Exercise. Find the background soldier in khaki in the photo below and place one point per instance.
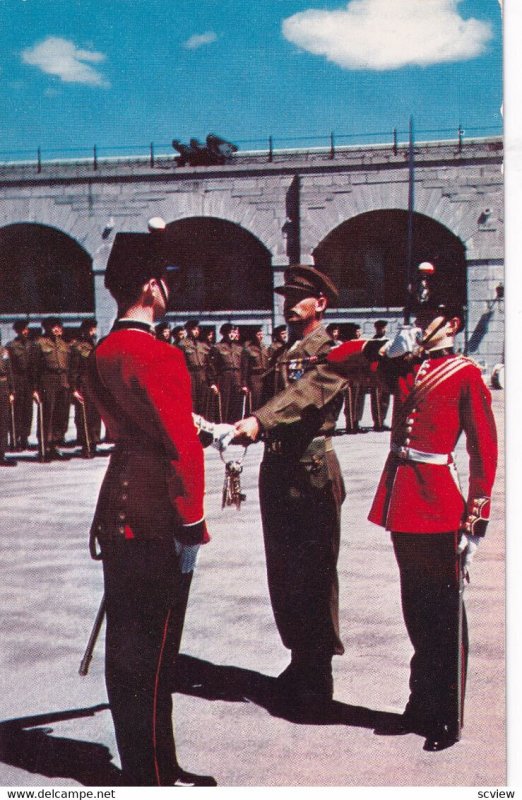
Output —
(196, 356)
(86, 416)
(254, 364)
(21, 354)
(52, 384)
(163, 332)
(178, 336)
(274, 380)
(379, 391)
(301, 491)
(355, 391)
(6, 394)
(225, 373)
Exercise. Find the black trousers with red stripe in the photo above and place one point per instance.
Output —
(429, 573)
(146, 598)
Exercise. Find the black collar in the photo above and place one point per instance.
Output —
(133, 324)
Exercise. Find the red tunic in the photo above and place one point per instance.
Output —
(450, 397)
(155, 482)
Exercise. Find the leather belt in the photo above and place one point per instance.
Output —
(318, 445)
(409, 454)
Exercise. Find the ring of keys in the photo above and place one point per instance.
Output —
(232, 495)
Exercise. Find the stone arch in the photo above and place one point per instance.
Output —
(43, 271)
(223, 266)
(367, 256)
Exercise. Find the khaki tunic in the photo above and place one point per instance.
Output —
(254, 365)
(196, 357)
(21, 353)
(86, 417)
(225, 372)
(52, 380)
(301, 492)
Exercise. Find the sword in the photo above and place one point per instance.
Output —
(85, 428)
(13, 424)
(93, 638)
(349, 399)
(40, 430)
(243, 407)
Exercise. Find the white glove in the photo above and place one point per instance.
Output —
(406, 340)
(222, 436)
(468, 546)
(187, 554)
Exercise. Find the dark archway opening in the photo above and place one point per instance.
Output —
(222, 266)
(43, 271)
(367, 256)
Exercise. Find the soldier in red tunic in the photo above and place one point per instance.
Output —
(435, 530)
(149, 520)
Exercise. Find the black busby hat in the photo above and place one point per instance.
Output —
(20, 325)
(135, 258)
(438, 306)
(310, 282)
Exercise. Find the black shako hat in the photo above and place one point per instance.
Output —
(135, 258)
(309, 282)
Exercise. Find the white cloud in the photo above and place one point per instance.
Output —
(200, 39)
(60, 57)
(389, 34)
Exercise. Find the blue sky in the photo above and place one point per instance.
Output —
(74, 73)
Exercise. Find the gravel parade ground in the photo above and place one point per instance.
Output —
(56, 729)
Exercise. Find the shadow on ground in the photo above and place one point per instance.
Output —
(233, 684)
(25, 744)
(28, 744)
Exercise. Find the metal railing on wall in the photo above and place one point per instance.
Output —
(332, 142)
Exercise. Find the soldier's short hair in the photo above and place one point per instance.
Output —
(20, 325)
(51, 322)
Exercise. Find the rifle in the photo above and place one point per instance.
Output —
(13, 424)
(93, 638)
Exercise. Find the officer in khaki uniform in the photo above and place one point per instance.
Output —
(21, 354)
(86, 416)
(301, 490)
(52, 384)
